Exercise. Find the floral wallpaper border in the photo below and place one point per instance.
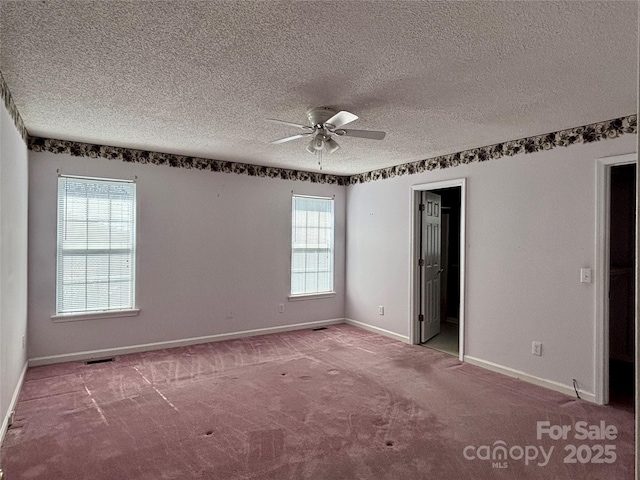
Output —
(563, 138)
(11, 107)
(79, 149)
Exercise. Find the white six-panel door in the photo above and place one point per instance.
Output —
(431, 267)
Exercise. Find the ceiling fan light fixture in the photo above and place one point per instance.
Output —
(316, 144)
(331, 145)
(310, 147)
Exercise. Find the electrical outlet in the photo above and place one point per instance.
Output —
(380, 310)
(24, 342)
(536, 348)
(281, 308)
(585, 275)
(230, 313)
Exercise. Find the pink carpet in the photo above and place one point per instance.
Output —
(340, 403)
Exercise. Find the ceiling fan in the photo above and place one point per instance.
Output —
(326, 122)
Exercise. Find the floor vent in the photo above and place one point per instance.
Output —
(99, 360)
(318, 328)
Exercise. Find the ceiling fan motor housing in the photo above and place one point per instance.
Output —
(319, 115)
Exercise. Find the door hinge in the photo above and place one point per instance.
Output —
(422, 207)
(421, 262)
(421, 318)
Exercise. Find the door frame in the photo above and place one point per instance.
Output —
(414, 271)
(603, 225)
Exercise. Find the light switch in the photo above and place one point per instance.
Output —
(585, 275)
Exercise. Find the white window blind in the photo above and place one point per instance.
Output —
(96, 245)
(311, 245)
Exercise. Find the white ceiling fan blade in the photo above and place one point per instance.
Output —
(288, 139)
(297, 125)
(341, 118)
(370, 134)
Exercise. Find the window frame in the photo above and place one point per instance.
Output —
(130, 310)
(317, 294)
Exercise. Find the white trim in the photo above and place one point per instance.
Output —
(603, 194)
(109, 352)
(541, 382)
(311, 296)
(13, 402)
(61, 216)
(98, 179)
(308, 296)
(320, 197)
(414, 334)
(381, 331)
(76, 317)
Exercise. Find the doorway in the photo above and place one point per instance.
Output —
(616, 250)
(622, 248)
(438, 266)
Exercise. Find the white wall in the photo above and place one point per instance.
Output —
(207, 242)
(530, 228)
(211, 241)
(13, 260)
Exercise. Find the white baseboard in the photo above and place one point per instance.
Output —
(12, 404)
(379, 330)
(109, 352)
(541, 382)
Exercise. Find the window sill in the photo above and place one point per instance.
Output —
(311, 296)
(76, 317)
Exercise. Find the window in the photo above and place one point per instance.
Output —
(311, 245)
(96, 245)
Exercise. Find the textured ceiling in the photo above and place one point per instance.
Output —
(199, 77)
